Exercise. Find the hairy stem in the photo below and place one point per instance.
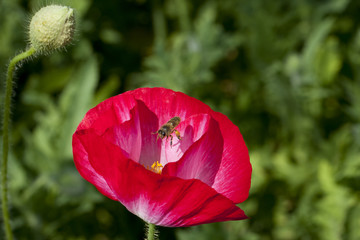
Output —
(151, 232)
(5, 148)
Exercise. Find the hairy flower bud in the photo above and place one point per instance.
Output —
(52, 27)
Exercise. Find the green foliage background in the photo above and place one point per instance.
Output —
(286, 72)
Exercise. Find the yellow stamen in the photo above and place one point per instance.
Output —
(156, 167)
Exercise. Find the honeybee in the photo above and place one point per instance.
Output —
(168, 129)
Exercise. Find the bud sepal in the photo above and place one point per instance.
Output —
(51, 28)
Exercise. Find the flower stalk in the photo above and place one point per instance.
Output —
(5, 148)
(151, 231)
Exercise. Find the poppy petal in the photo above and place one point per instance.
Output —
(161, 200)
(201, 161)
(82, 164)
(234, 176)
(205, 173)
(191, 130)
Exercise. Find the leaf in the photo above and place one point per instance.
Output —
(75, 101)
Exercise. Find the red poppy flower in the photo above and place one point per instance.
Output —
(197, 180)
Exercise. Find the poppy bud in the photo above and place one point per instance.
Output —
(52, 27)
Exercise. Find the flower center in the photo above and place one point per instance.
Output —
(156, 167)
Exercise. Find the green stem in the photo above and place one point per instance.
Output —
(5, 149)
(151, 232)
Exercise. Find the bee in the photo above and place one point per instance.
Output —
(168, 129)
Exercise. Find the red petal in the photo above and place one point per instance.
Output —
(127, 136)
(201, 161)
(161, 200)
(108, 113)
(191, 130)
(135, 136)
(166, 103)
(85, 169)
(234, 176)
